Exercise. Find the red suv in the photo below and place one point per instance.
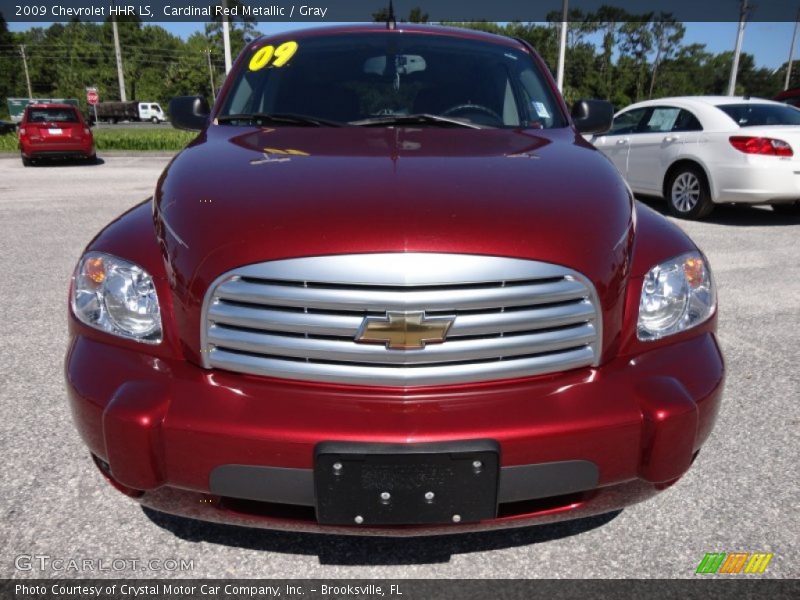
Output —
(790, 97)
(54, 131)
(389, 288)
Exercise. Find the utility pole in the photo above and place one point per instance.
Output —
(211, 73)
(562, 49)
(791, 53)
(226, 36)
(118, 53)
(738, 50)
(25, 64)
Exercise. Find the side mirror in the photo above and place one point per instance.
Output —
(592, 116)
(189, 112)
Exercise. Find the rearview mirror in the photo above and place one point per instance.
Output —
(189, 112)
(404, 64)
(592, 116)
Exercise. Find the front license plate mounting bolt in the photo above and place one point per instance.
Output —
(385, 497)
(456, 518)
(337, 468)
(429, 496)
(359, 519)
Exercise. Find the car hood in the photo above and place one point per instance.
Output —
(240, 195)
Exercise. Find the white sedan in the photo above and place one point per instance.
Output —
(697, 151)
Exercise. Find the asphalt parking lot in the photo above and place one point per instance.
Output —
(741, 495)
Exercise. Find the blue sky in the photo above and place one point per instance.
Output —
(768, 42)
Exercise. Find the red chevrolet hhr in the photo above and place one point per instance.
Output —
(54, 131)
(390, 289)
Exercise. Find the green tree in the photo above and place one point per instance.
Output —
(543, 38)
(667, 36)
(794, 80)
(610, 19)
(636, 43)
(684, 72)
(188, 75)
(242, 31)
(12, 82)
(757, 82)
(156, 51)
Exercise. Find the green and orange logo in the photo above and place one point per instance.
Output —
(734, 562)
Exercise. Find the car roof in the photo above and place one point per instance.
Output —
(700, 101)
(786, 94)
(50, 105)
(357, 28)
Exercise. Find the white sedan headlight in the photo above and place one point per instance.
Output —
(116, 296)
(676, 295)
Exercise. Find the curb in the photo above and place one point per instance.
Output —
(6, 154)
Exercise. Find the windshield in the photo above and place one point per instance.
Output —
(52, 115)
(752, 115)
(353, 78)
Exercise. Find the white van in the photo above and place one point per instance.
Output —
(151, 111)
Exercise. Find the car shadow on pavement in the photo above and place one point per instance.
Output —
(372, 551)
(733, 214)
(67, 163)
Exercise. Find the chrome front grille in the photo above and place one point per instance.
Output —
(298, 318)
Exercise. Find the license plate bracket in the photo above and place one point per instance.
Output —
(352, 479)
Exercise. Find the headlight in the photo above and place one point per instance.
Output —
(116, 296)
(676, 295)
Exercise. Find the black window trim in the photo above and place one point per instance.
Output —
(646, 112)
(670, 106)
(695, 117)
(719, 107)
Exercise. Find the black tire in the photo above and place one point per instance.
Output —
(91, 160)
(792, 208)
(155, 120)
(687, 193)
(27, 162)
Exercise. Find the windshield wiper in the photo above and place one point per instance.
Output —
(421, 118)
(281, 118)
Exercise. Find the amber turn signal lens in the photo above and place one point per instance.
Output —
(694, 270)
(95, 270)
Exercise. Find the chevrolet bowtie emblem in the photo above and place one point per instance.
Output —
(404, 330)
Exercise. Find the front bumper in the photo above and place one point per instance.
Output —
(239, 449)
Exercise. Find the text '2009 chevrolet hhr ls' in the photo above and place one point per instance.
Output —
(390, 289)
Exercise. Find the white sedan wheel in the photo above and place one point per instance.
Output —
(685, 192)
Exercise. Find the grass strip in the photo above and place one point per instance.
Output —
(123, 139)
